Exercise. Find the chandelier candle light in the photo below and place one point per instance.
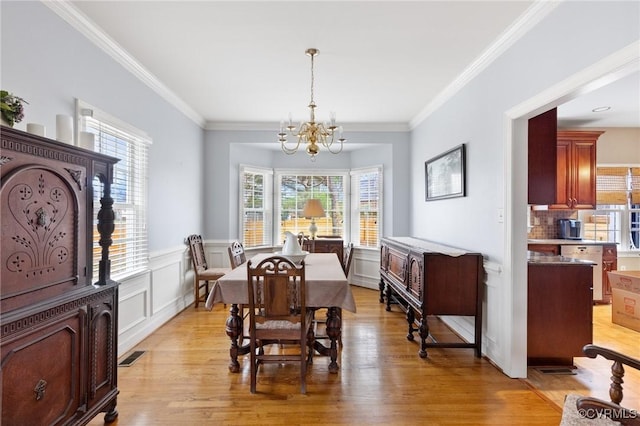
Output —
(311, 133)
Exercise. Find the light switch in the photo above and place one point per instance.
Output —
(500, 215)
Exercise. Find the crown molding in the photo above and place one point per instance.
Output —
(609, 69)
(273, 127)
(70, 14)
(530, 18)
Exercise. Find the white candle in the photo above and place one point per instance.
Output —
(36, 129)
(86, 140)
(64, 128)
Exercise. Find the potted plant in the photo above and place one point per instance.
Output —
(12, 108)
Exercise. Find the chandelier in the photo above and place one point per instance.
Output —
(311, 133)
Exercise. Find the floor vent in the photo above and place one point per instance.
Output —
(557, 370)
(128, 361)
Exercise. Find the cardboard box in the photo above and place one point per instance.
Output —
(625, 303)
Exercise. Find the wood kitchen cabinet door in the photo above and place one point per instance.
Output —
(542, 136)
(576, 170)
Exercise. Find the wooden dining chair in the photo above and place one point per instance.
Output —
(583, 410)
(278, 314)
(202, 273)
(237, 255)
(346, 262)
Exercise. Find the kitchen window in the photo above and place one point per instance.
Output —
(617, 217)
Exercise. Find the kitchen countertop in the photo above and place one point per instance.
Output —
(535, 258)
(563, 242)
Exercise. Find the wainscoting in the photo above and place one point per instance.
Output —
(151, 298)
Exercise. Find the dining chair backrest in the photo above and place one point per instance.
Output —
(348, 256)
(197, 252)
(203, 275)
(237, 255)
(277, 313)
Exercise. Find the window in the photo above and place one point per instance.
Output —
(366, 206)
(352, 202)
(256, 206)
(129, 251)
(617, 218)
(296, 187)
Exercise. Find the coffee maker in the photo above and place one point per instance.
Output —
(570, 229)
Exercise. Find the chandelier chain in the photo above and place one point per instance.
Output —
(312, 78)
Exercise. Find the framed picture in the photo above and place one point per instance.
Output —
(445, 174)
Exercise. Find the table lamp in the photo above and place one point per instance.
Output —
(312, 209)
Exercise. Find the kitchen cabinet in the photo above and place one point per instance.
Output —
(553, 249)
(576, 169)
(609, 263)
(542, 136)
(559, 312)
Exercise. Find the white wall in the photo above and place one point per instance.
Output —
(618, 145)
(571, 38)
(48, 63)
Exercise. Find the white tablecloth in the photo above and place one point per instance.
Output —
(326, 284)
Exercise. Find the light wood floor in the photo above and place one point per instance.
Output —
(183, 379)
(591, 376)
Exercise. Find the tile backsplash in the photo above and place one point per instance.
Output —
(545, 222)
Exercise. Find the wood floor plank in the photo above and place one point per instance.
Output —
(182, 379)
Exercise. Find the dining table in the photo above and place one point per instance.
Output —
(326, 286)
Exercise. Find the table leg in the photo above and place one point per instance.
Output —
(334, 326)
(234, 327)
(334, 330)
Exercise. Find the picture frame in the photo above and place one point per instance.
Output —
(445, 175)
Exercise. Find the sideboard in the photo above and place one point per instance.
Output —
(325, 245)
(58, 348)
(426, 278)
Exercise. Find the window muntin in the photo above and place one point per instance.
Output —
(617, 218)
(295, 188)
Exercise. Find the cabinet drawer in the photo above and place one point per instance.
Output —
(41, 372)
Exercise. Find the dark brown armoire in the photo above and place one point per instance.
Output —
(58, 345)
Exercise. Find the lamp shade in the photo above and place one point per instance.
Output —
(313, 208)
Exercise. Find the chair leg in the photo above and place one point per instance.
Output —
(196, 286)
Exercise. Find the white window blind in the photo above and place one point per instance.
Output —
(129, 251)
(612, 185)
(366, 213)
(256, 187)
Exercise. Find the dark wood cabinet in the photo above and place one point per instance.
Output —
(576, 170)
(58, 345)
(542, 136)
(426, 278)
(553, 249)
(609, 263)
(325, 245)
(559, 312)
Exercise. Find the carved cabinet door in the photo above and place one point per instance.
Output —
(41, 370)
(42, 215)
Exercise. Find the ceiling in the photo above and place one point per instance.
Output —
(380, 62)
